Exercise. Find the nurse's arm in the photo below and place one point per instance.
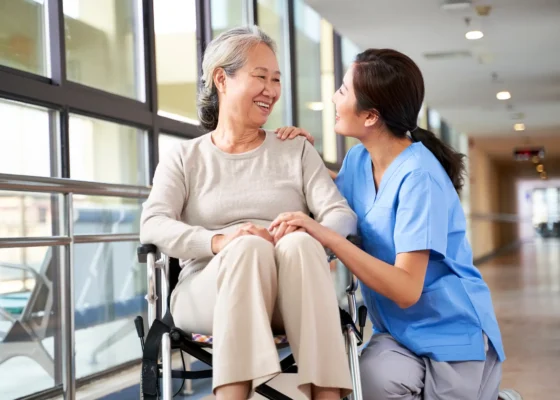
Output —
(402, 282)
(333, 174)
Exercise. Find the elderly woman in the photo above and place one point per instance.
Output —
(213, 199)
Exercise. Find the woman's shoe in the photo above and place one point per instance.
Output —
(509, 394)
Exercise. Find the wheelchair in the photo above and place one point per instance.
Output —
(164, 338)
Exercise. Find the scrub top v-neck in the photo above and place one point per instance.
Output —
(417, 208)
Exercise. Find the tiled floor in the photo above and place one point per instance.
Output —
(526, 291)
(525, 287)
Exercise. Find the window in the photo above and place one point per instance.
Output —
(109, 293)
(315, 71)
(99, 214)
(271, 17)
(27, 124)
(107, 152)
(176, 58)
(227, 14)
(22, 36)
(104, 45)
(28, 288)
(26, 214)
(349, 52)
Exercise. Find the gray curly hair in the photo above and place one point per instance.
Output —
(227, 51)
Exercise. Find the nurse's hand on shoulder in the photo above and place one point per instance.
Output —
(300, 220)
(291, 132)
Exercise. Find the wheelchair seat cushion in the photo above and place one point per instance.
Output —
(207, 340)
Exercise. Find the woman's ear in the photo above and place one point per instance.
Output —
(371, 119)
(220, 80)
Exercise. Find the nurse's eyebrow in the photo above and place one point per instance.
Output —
(266, 70)
(345, 88)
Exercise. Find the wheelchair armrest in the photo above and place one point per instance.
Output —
(143, 250)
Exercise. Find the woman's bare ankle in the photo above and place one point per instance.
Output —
(233, 391)
(322, 393)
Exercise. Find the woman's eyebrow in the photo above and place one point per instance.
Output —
(266, 70)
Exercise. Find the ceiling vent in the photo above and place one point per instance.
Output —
(456, 5)
(448, 55)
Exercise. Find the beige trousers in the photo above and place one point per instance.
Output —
(252, 287)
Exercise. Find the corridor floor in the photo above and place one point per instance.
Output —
(525, 287)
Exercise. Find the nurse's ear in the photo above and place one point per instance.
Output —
(371, 119)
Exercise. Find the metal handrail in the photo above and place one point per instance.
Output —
(109, 237)
(26, 183)
(34, 241)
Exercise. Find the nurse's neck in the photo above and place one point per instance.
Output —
(383, 148)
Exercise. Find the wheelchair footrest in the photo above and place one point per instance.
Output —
(190, 375)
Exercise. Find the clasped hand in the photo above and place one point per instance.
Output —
(273, 234)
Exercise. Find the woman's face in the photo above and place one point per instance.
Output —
(249, 96)
(348, 121)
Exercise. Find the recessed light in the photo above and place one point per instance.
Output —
(474, 35)
(519, 127)
(316, 106)
(503, 95)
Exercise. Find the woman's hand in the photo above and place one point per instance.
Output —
(282, 230)
(290, 132)
(300, 220)
(221, 241)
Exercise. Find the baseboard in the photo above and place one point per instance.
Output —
(500, 251)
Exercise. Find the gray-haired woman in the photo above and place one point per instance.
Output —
(213, 199)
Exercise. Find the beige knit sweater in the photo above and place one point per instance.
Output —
(200, 191)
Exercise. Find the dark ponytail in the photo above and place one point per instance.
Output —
(390, 84)
(452, 161)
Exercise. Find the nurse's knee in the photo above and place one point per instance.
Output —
(390, 375)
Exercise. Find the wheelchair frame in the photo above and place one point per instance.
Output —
(173, 338)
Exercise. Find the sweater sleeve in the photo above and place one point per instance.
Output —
(161, 224)
(325, 202)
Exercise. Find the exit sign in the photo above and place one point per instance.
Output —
(528, 153)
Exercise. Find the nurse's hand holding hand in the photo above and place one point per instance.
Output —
(304, 222)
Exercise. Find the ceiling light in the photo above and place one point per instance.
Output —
(474, 35)
(316, 106)
(503, 96)
(540, 168)
(519, 127)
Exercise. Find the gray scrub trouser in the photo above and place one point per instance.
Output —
(390, 371)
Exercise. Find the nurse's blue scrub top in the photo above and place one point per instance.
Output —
(417, 208)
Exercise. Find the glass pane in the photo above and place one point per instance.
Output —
(22, 36)
(104, 45)
(308, 48)
(109, 293)
(176, 57)
(27, 124)
(166, 143)
(101, 214)
(29, 322)
(226, 14)
(271, 20)
(26, 214)
(349, 52)
(107, 152)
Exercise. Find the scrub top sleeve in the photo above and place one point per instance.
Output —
(421, 218)
(324, 201)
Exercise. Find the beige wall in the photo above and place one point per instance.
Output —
(484, 199)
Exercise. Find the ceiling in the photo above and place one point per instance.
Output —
(521, 45)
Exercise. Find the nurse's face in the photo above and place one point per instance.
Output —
(348, 121)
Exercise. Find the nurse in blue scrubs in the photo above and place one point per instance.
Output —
(436, 336)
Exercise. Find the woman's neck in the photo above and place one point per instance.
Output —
(233, 137)
(383, 148)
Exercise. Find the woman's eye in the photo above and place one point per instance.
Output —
(276, 80)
